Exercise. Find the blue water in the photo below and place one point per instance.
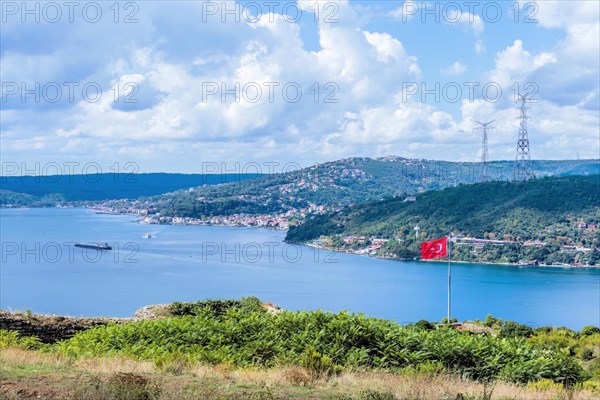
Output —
(42, 271)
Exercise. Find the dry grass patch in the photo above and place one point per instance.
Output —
(114, 364)
(26, 374)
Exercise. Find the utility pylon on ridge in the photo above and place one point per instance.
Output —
(485, 177)
(523, 169)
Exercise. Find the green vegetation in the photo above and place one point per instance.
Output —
(25, 200)
(513, 329)
(332, 184)
(213, 339)
(323, 343)
(341, 183)
(215, 307)
(12, 339)
(28, 190)
(548, 210)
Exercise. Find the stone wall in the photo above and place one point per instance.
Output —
(50, 328)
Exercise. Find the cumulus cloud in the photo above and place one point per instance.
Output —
(514, 64)
(457, 68)
(473, 22)
(406, 11)
(240, 90)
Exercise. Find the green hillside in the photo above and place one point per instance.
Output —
(548, 210)
(13, 199)
(344, 182)
(103, 186)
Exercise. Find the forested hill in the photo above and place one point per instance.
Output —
(345, 182)
(330, 184)
(104, 186)
(556, 211)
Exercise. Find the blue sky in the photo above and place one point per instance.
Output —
(143, 82)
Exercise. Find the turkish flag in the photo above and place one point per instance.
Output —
(434, 249)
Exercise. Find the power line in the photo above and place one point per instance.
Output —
(485, 177)
(523, 168)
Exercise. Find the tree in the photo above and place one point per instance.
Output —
(589, 330)
(512, 329)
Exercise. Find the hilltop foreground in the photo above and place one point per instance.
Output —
(238, 349)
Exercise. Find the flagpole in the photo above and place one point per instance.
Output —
(449, 279)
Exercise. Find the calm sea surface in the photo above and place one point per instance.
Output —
(42, 271)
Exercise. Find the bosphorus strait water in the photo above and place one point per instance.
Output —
(42, 271)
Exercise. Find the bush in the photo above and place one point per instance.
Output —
(512, 329)
(544, 385)
(490, 321)
(587, 354)
(427, 368)
(318, 365)
(543, 329)
(375, 395)
(589, 330)
(216, 307)
(12, 339)
(425, 325)
(8, 339)
(445, 320)
(120, 386)
(324, 343)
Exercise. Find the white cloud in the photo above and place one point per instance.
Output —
(561, 14)
(387, 47)
(474, 22)
(172, 58)
(406, 11)
(514, 63)
(457, 68)
(480, 47)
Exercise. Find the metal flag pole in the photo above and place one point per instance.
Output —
(449, 279)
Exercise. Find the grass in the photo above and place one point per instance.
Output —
(29, 374)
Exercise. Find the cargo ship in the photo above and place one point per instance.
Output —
(102, 246)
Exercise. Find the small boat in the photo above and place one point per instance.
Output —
(102, 246)
(147, 236)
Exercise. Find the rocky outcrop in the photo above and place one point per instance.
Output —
(50, 328)
(54, 328)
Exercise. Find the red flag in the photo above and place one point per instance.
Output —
(434, 249)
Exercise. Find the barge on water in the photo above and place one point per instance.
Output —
(102, 246)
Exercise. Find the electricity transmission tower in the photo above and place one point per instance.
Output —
(484, 128)
(523, 169)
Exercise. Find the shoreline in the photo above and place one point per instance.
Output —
(138, 221)
(445, 260)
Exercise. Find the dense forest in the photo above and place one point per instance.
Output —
(106, 186)
(553, 211)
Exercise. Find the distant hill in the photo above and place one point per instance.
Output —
(345, 182)
(556, 211)
(26, 200)
(330, 185)
(110, 185)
